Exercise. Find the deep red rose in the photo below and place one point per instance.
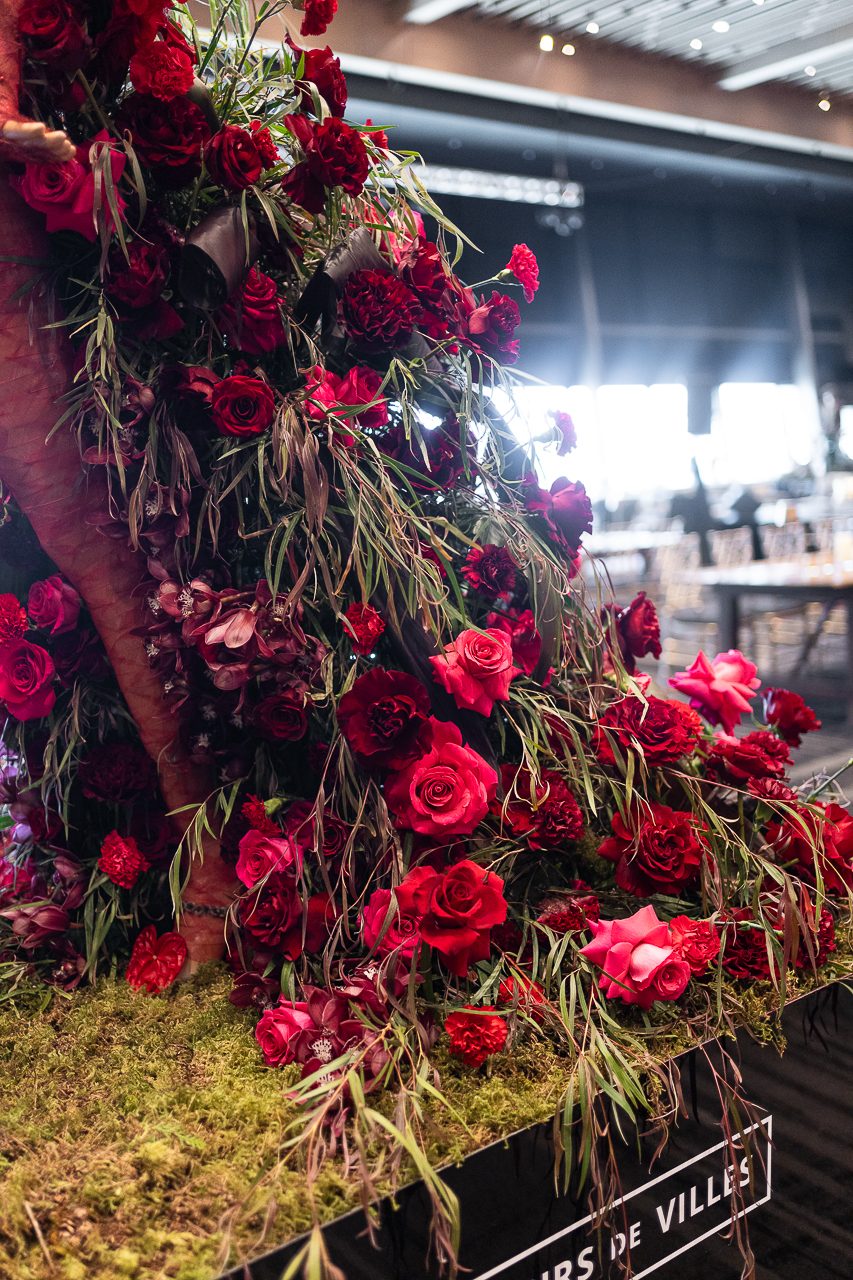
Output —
(310, 933)
(261, 855)
(492, 325)
(271, 910)
(476, 669)
(26, 679)
(696, 941)
(303, 825)
(54, 34)
(789, 715)
(13, 617)
(475, 1034)
(335, 156)
(282, 717)
(277, 1030)
(53, 605)
(545, 814)
(662, 729)
(190, 389)
(162, 69)
(115, 772)
(365, 626)
(233, 159)
(242, 406)
(65, 193)
(446, 791)
(525, 268)
(638, 628)
(658, 850)
(757, 755)
(80, 653)
(491, 570)
(526, 640)
(139, 279)
(379, 312)
(385, 928)
(383, 716)
(121, 860)
(565, 508)
(253, 320)
(821, 837)
(457, 908)
(316, 16)
(566, 433)
(168, 137)
(322, 70)
(155, 962)
(265, 143)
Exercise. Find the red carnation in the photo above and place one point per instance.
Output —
(491, 570)
(265, 143)
(242, 406)
(771, 790)
(322, 71)
(155, 962)
(545, 813)
(366, 625)
(121, 860)
(383, 717)
(253, 320)
(162, 69)
(316, 16)
(335, 156)
(457, 909)
(657, 850)
(475, 1034)
(255, 812)
(525, 268)
(446, 791)
(13, 617)
(570, 913)
(492, 324)
(476, 669)
(379, 312)
(757, 755)
(233, 159)
(822, 837)
(696, 941)
(565, 430)
(789, 715)
(662, 729)
(745, 946)
(638, 630)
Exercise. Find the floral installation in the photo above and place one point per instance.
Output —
(342, 708)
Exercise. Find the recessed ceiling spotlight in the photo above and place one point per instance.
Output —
(810, 71)
(696, 44)
(569, 50)
(720, 26)
(824, 104)
(546, 43)
(592, 28)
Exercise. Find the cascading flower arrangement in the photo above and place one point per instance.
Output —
(309, 676)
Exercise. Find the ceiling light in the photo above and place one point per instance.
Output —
(810, 71)
(824, 104)
(592, 28)
(449, 181)
(569, 50)
(758, 1)
(720, 26)
(696, 44)
(546, 43)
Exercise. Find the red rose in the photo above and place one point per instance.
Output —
(385, 929)
(491, 570)
(168, 137)
(475, 1034)
(526, 640)
(139, 279)
(445, 792)
(638, 960)
(233, 159)
(13, 617)
(242, 406)
(365, 626)
(316, 16)
(121, 860)
(457, 909)
(155, 962)
(821, 837)
(282, 717)
(53, 605)
(659, 850)
(335, 156)
(696, 941)
(309, 934)
(304, 825)
(189, 388)
(277, 1031)
(525, 268)
(322, 70)
(569, 913)
(721, 688)
(253, 321)
(261, 854)
(65, 193)
(565, 508)
(327, 393)
(383, 716)
(379, 312)
(26, 680)
(661, 729)
(476, 669)
(790, 716)
(522, 993)
(545, 814)
(638, 629)
(53, 34)
(271, 910)
(493, 324)
(162, 69)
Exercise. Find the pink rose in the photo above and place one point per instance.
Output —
(26, 679)
(446, 791)
(476, 669)
(278, 1030)
(721, 688)
(53, 605)
(65, 193)
(400, 935)
(261, 854)
(638, 960)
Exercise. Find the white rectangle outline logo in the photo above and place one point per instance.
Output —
(766, 1123)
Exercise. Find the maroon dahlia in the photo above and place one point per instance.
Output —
(491, 570)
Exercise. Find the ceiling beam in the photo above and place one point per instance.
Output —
(426, 11)
(785, 59)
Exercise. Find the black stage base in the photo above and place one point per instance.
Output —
(793, 1166)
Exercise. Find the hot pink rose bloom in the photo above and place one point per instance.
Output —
(278, 1030)
(53, 605)
(476, 669)
(721, 688)
(260, 854)
(65, 193)
(446, 791)
(638, 960)
(401, 935)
